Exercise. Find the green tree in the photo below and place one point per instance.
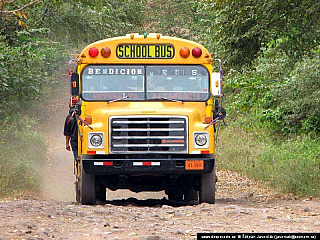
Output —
(240, 29)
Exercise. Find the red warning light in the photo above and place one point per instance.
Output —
(93, 52)
(196, 52)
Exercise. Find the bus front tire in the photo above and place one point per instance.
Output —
(207, 193)
(87, 188)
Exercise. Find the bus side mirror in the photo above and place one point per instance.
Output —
(216, 84)
(75, 84)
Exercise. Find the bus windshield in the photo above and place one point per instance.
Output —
(177, 82)
(106, 82)
(152, 82)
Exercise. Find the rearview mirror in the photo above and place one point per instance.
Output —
(216, 84)
(75, 84)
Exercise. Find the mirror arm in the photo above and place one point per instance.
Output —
(221, 74)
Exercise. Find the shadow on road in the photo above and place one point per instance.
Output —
(160, 202)
(147, 202)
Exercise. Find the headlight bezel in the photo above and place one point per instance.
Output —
(196, 143)
(92, 134)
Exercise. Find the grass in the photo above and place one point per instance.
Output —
(290, 165)
(22, 148)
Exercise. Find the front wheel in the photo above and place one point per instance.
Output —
(207, 193)
(87, 188)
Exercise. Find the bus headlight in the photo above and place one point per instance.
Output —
(201, 140)
(96, 140)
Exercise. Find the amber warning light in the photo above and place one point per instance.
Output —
(184, 52)
(105, 52)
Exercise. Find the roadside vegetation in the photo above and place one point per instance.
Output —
(272, 60)
(22, 148)
(271, 55)
(36, 42)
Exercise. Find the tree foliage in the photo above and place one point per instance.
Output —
(271, 52)
(87, 21)
(242, 28)
(36, 38)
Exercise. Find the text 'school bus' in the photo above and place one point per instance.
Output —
(144, 112)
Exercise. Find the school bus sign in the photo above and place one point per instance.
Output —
(145, 51)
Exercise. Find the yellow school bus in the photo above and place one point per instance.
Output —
(144, 111)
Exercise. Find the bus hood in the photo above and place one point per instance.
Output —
(192, 110)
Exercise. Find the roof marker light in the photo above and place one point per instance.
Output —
(132, 36)
(93, 52)
(196, 52)
(184, 52)
(105, 52)
(158, 36)
(145, 35)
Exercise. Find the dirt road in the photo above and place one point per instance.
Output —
(242, 205)
(240, 208)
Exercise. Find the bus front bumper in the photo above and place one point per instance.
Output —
(148, 164)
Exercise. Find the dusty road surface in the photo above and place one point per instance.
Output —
(242, 205)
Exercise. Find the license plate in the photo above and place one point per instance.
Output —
(194, 165)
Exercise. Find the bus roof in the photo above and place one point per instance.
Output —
(150, 48)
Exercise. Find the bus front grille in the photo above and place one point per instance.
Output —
(148, 134)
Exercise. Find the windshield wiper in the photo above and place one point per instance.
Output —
(168, 99)
(162, 98)
(119, 99)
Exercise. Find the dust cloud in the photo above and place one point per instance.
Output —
(57, 174)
